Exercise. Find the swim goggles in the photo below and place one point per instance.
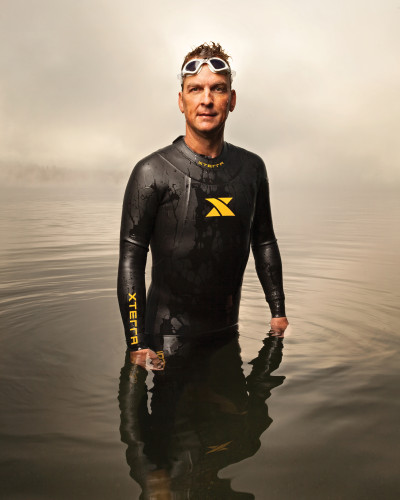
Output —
(216, 65)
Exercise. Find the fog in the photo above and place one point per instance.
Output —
(90, 86)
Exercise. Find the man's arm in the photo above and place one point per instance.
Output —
(267, 257)
(138, 217)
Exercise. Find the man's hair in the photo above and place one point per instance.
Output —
(205, 51)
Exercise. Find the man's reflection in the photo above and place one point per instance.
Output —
(204, 415)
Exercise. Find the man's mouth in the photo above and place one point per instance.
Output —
(207, 114)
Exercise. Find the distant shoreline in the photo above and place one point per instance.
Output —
(43, 174)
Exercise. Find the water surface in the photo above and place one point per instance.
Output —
(334, 419)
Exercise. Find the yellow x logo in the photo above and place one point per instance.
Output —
(219, 447)
(220, 207)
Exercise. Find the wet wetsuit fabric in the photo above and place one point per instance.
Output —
(199, 215)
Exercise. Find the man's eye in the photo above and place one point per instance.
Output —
(220, 89)
(193, 89)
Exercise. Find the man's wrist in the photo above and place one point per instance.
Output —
(137, 347)
(277, 308)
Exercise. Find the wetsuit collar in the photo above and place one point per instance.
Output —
(201, 160)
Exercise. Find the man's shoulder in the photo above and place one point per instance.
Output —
(155, 157)
(247, 156)
(151, 165)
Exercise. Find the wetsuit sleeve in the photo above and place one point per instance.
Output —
(266, 251)
(138, 217)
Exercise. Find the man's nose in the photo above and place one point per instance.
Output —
(207, 97)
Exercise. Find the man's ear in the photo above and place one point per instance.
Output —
(233, 100)
(180, 102)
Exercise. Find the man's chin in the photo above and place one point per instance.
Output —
(208, 128)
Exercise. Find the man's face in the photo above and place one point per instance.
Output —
(206, 99)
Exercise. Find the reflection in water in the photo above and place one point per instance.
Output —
(204, 416)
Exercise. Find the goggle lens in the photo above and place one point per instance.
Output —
(191, 66)
(218, 64)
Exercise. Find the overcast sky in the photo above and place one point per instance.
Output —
(92, 83)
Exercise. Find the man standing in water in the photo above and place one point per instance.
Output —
(200, 203)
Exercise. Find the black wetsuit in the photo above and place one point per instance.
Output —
(199, 215)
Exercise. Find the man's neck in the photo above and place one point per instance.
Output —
(206, 146)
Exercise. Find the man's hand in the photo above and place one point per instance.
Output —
(278, 326)
(147, 359)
